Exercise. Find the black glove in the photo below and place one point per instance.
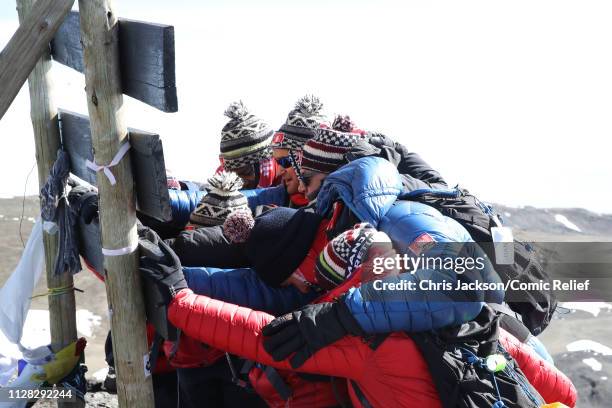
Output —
(159, 264)
(307, 330)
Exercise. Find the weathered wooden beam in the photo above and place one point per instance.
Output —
(99, 34)
(27, 45)
(148, 166)
(147, 59)
(62, 310)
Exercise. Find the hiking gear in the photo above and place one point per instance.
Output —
(345, 253)
(245, 139)
(535, 307)
(279, 241)
(221, 201)
(301, 124)
(307, 330)
(472, 367)
(159, 264)
(325, 152)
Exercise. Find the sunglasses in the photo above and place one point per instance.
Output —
(284, 162)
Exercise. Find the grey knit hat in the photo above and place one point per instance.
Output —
(301, 124)
(222, 200)
(245, 139)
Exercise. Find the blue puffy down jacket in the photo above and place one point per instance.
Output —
(244, 287)
(182, 203)
(370, 187)
(266, 196)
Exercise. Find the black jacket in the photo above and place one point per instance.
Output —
(207, 246)
(415, 172)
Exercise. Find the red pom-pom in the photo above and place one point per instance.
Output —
(343, 123)
(238, 225)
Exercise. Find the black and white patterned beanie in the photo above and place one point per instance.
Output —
(245, 139)
(301, 124)
(326, 152)
(222, 200)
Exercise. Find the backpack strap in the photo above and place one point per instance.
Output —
(360, 395)
(277, 382)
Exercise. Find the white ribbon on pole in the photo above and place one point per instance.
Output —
(120, 251)
(106, 169)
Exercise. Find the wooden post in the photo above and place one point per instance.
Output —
(99, 34)
(62, 311)
(26, 46)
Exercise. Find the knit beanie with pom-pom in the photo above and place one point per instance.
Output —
(301, 124)
(245, 139)
(223, 199)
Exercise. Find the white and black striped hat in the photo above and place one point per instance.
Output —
(326, 152)
(301, 124)
(223, 199)
(245, 139)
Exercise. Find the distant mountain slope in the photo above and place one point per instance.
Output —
(562, 221)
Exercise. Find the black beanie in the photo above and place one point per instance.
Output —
(280, 241)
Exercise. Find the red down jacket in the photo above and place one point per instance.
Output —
(395, 374)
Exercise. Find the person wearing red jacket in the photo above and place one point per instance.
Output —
(393, 373)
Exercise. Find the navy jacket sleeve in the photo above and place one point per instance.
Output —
(244, 288)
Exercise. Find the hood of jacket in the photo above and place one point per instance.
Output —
(368, 187)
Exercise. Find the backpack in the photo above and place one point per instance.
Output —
(534, 306)
(458, 359)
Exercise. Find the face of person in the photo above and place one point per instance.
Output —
(311, 183)
(287, 172)
(248, 176)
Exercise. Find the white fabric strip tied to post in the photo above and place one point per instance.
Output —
(106, 168)
(15, 295)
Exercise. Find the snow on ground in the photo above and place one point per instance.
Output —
(589, 345)
(507, 214)
(87, 322)
(36, 331)
(593, 363)
(590, 307)
(100, 375)
(567, 223)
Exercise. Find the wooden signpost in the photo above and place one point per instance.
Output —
(117, 57)
(62, 312)
(147, 59)
(100, 39)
